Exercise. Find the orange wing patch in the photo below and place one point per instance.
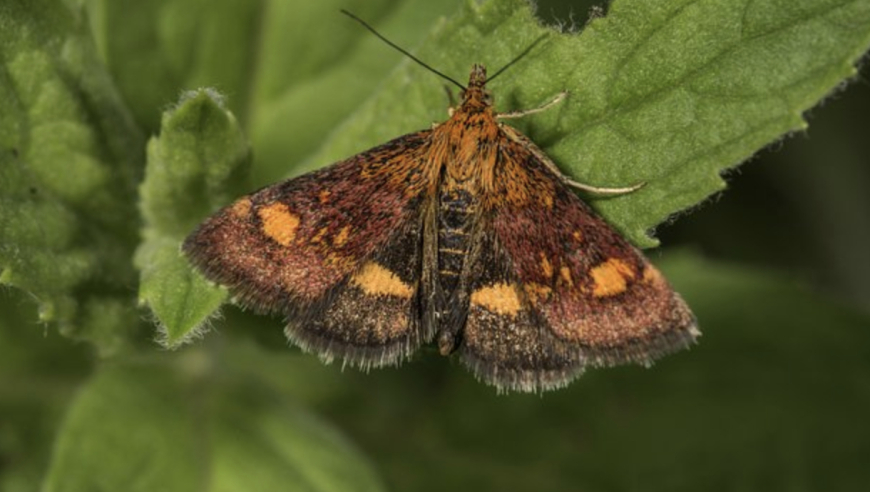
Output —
(499, 298)
(537, 292)
(374, 279)
(610, 277)
(241, 207)
(565, 277)
(546, 267)
(652, 276)
(278, 223)
(342, 236)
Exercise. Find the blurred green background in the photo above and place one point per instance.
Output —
(774, 397)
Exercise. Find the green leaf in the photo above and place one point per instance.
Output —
(773, 397)
(171, 425)
(69, 160)
(664, 93)
(197, 163)
(667, 93)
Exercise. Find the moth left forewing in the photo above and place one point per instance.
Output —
(337, 252)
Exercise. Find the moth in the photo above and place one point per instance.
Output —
(465, 235)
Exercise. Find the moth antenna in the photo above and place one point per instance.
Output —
(518, 57)
(401, 50)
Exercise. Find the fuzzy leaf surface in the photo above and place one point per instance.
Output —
(70, 155)
(199, 161)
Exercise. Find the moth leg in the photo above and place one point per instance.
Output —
(521, 139)
(525, 112)
(602, 190)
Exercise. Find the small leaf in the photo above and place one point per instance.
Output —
(181, 300)
(174, 427)
(69, 159)
(197, 163)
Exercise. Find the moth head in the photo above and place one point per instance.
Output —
(476, 93)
